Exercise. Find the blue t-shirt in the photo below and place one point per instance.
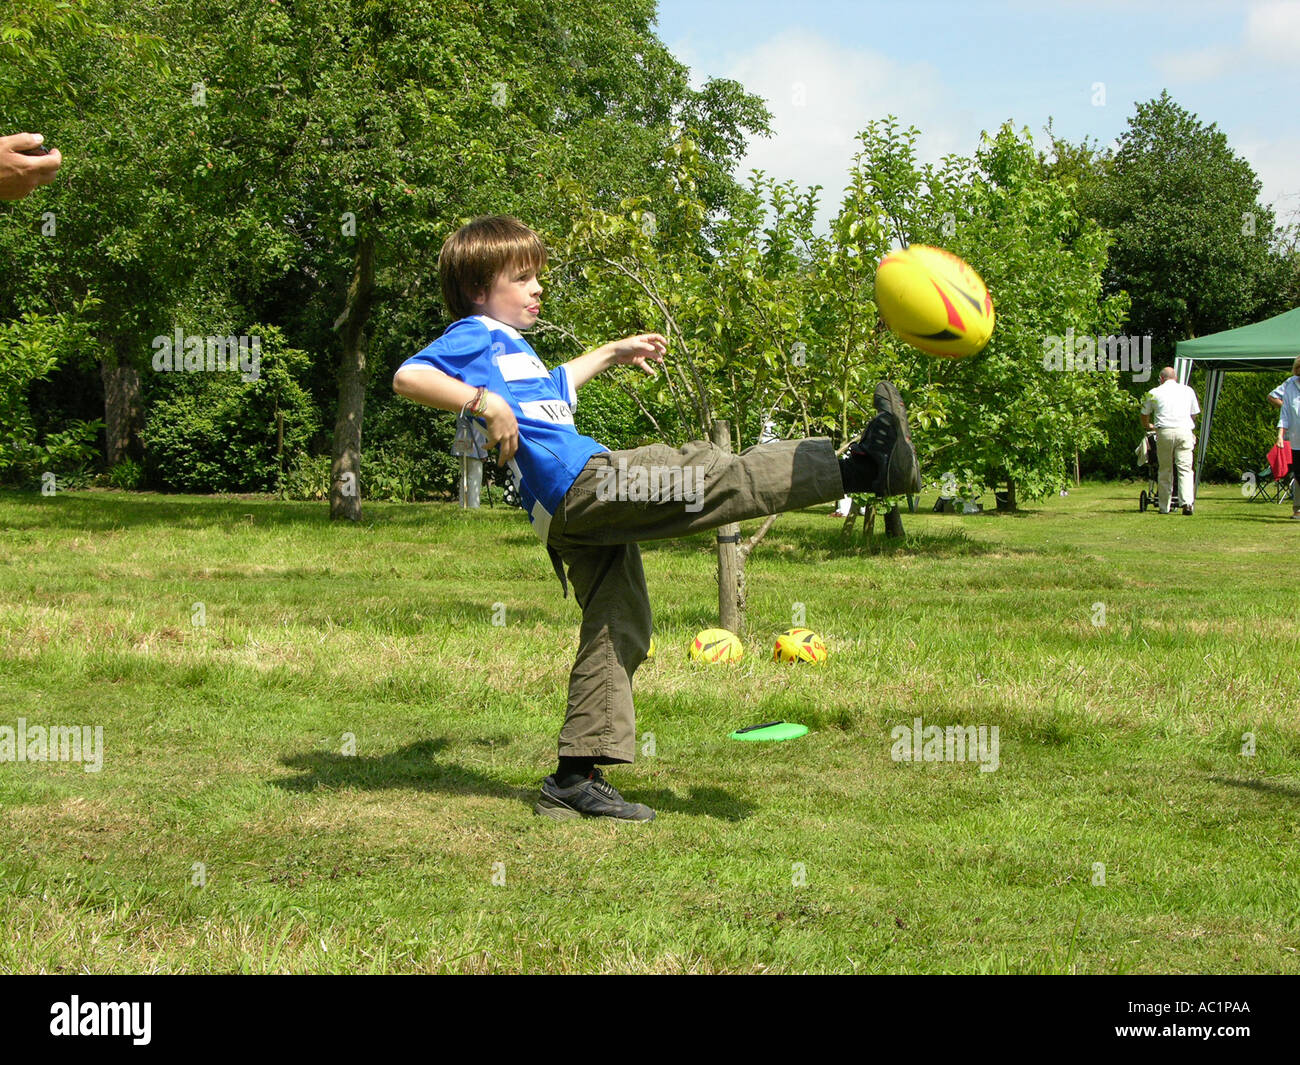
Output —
(484, 352)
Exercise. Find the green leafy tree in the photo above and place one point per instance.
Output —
(112, 226)
(456, 110)
(301, 163)
(761, 331)
(859, 349)
(1003, 418)
(221, 432)
(735, 305)
(31, 349)
(1192, 245)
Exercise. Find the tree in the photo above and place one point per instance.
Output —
(454, 112)
(31, 348)
(763, 317)
(1192, 245)
(71, 69)
(300, 164)
(724, 301)
(1006, 417)
(858, 346)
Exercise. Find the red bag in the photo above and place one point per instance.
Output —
(1279, 460)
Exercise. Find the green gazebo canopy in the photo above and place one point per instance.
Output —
(1268, 345)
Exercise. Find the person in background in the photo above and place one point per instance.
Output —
(1171, 409)
(1287, 397)
(21, 172)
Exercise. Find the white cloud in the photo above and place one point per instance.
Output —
(1204, 64)
(821, 95)
(1273, 31)
(1270, 35)
(1276, 161)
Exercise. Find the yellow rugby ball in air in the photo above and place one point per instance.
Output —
(717, 645)
(934, 301)
(800, 645)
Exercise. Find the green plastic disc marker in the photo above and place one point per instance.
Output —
(772, 730)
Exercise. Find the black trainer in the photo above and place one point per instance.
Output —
(593, 797)
(888, 442)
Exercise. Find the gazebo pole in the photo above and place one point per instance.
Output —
(1213, 386)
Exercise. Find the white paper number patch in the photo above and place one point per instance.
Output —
(547, 410)
(521, 366)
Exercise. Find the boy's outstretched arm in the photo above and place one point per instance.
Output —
(639, 351)
(431, 387)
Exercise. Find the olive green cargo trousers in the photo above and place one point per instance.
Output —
(654, 493)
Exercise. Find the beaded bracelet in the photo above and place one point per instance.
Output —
(476, 406)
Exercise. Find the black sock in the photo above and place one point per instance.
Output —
(572, 770)
(857, 471)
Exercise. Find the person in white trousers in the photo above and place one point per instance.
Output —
(1171, 409)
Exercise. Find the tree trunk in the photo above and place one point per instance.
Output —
(345, 472)
(1078, 480)
(123, 410)
(894, 523)
(731, 566)
(869, 521)
(851, 520)
(756, 539)
(1008, 503)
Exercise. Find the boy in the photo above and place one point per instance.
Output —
(482, 365)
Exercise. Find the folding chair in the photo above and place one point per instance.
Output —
(1268, 489)
(1285, 489)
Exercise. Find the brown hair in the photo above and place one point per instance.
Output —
(475, 255)
(1295, 368)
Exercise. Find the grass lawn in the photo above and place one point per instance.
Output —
(1122, 656)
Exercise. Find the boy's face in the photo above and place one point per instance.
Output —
(515, 298)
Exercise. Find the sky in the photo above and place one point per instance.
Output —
(828, 67)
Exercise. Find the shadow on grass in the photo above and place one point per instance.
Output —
(417, 766)
(992, 512)
(825, 543)
(700, 802)
(414, 766)
(1281, 517)
(1268, 787)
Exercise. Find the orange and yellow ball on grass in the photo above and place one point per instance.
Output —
(934, 301)
(800, 645)
(717, 646)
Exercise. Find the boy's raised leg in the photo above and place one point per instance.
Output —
(659, 492)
